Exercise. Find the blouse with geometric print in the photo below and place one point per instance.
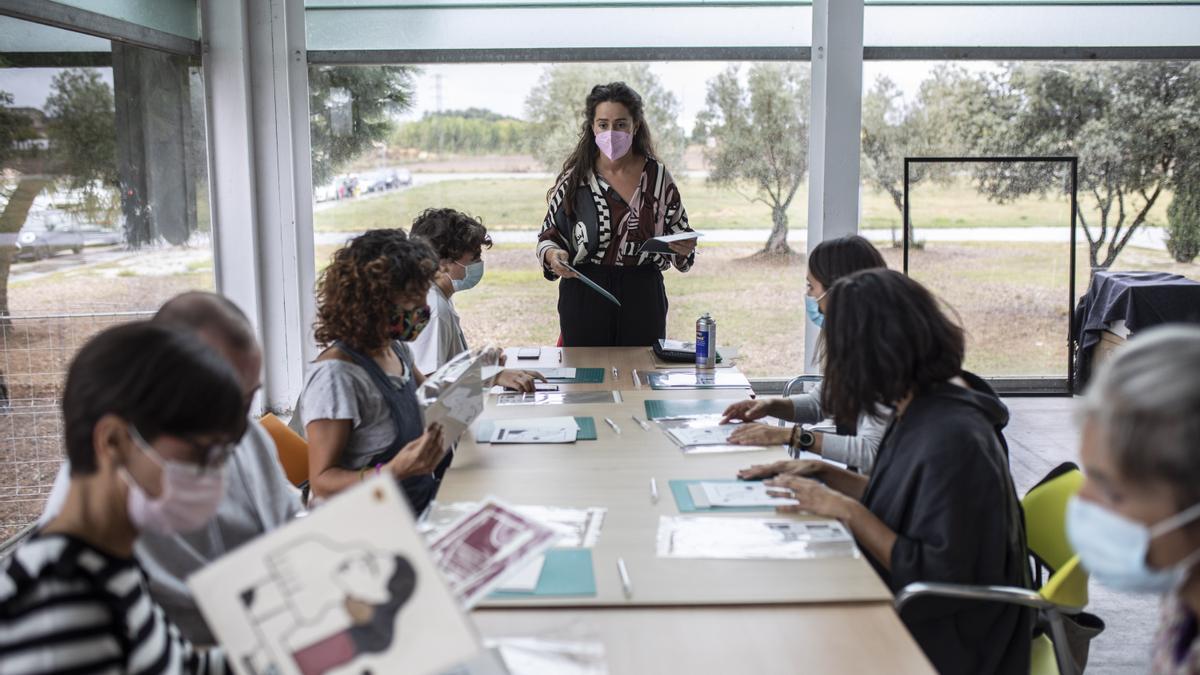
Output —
(655, 210)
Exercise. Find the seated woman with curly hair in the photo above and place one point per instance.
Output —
(359, 405)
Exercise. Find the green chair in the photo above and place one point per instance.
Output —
(1065, 589)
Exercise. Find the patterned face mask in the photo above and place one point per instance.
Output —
(407, 324)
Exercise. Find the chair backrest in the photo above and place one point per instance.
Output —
(291, 448)
(1046, 530)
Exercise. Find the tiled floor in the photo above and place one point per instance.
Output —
(1041, 435)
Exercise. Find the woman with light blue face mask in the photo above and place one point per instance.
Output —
(459, 240)
(1136, 521)
(829, 261)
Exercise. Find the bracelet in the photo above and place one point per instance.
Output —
(792, 441)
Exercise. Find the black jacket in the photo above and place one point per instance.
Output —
(941, 483)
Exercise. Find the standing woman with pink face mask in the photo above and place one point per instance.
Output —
(611, 196)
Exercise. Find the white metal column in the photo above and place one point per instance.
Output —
(835, 130)
(260, 177)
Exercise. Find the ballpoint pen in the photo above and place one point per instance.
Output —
(612, 424)
(637, 382)
(653, 491)
(641, 424)
(626, 583)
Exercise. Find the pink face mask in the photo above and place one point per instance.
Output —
(189, 498)
(614, 144)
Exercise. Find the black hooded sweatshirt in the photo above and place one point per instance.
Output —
(941, 483)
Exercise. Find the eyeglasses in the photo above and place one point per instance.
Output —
(213, 457)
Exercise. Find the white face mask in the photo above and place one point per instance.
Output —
(190, 495)
(1113, 548)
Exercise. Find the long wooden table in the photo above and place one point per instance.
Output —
(699, 616)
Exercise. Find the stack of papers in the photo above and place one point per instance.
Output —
(708, 435)
(535, 430)
(726, 538)
(698, 379)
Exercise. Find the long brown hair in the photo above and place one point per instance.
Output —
(582, 159)
(884, 336)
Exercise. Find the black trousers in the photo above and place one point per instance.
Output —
(587, 319)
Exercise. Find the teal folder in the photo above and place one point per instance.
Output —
(683, 499)
(587, 430)
(582, 376)
(568, 571)
(657, 409)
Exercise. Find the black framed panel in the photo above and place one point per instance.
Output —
(1016, 385)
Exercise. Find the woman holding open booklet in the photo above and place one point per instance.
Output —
(615, 221)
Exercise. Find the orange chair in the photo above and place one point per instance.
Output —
(291, 448)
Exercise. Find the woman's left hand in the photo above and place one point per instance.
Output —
(760, 434)
(683, 248)
(520, 380)
(813, 497)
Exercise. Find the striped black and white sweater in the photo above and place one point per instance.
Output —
(67, 607)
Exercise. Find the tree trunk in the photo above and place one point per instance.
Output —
(777, 243)
(12, 219)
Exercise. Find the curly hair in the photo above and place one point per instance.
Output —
(453, 234)
(355, 292)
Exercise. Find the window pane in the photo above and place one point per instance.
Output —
(994, 237)
(103, 215)
(489, 140)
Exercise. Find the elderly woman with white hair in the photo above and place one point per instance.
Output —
(1136, 521)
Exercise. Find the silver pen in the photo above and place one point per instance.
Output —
(612, 424)
(626, 583)
(637, 382)
(653, 491)
(641, 424)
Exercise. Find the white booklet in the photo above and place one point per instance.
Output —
(453, 394)
(659, 244)
(723, 537)
(349, 588)
(535, 430)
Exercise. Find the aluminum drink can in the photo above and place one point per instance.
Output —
(706, 342)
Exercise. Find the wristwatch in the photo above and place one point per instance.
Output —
(802, 439)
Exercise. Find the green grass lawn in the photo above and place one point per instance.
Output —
(520, 204)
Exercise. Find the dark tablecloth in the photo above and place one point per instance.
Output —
(1141, 299)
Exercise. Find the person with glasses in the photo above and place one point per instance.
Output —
(829, 261)
(358, 408)
(258, 496)
(150, 416)
(458, 241)
(1136, 520)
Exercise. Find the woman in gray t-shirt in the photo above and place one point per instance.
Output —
(359, 405)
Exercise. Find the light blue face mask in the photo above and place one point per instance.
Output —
(813, 307)
(1113, 548)
(474, 274)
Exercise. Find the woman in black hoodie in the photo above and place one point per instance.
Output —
(940, 503)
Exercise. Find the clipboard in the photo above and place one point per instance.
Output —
(594, 286)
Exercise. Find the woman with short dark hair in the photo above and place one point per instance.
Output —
(150, 417)
(359, 406)
(829, 261)
(940, 503)
(458, 240)
(612, 195)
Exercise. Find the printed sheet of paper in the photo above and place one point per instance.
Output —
(293, 601)
(726, 538)
(718, 378)
(524, 580)
(453, 394)
(703, 434)
(559, 398)
(576, 528)
(746, 493)
(535, 430)
(557, 373)
(478, 551)
(594, 286)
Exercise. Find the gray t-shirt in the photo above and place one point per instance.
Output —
(858, 451)
(340, 390)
